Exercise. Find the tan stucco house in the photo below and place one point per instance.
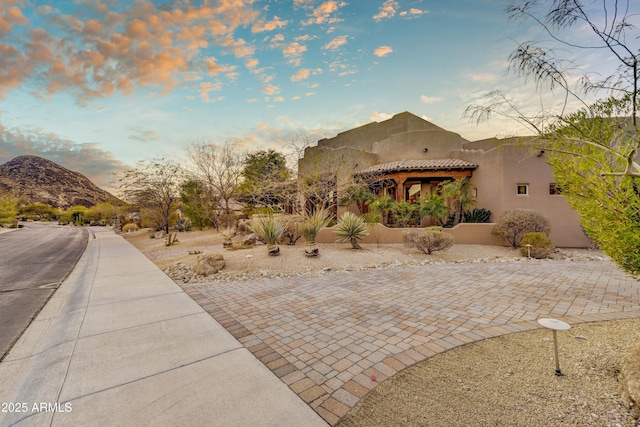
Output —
(409, 156)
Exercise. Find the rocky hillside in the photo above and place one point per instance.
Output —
(43, 181)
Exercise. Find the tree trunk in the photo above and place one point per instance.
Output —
(355, 244)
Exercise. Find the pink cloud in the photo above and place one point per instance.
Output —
(302, 74)
(383, 51)
(387, 10)
(261, 26)
(109, 50)
(322, 14)
(336, 43)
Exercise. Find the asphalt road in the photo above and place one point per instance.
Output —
(34, 261)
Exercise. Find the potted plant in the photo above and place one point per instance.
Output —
(310, 229)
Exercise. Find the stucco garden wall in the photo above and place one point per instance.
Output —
(463, 234)
(479, 234)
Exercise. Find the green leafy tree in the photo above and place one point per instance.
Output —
(594, 150)
(103, 213)
(8, 209)
(599, 180)
(406, 213)
(264, 179)
(38, 211)
(198, 205)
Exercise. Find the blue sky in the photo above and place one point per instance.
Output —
(98, 84)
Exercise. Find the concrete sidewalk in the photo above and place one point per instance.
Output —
(121, 344)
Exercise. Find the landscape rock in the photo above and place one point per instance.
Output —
(249, 239)
(209, 264)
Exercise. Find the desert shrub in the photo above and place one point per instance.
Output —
(428, 240)
(184, 224)
(314, 224)
(477, 216)
(541, 246)
(132, 226)
(351, 228)
(267, 228)
(513, 225)
(293, 232)
(228, 233)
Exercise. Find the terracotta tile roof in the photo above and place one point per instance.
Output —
(414, 165)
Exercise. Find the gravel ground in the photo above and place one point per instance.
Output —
(506, 381)
(510, 381)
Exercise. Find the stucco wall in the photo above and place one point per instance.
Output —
(468, 234)
(463, 234)
(411, 145)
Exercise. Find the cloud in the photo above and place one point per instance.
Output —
(86, 158)
(270, 89)
(102, 50)
(143, 136)
(413, 13)
(207, 87)
(302, 74)
(336, 43)
(322, 14)
(293, 52)
(387, 10)
(262, 26)
(293, 49)
(382, 51)
(379, 117)
(430, 99)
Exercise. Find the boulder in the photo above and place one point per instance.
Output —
(209, 264)
(630, 380)
(249, 239)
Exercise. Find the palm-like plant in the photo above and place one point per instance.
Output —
(459, 192)
(316, 222)
(269, 229)
(351, 228)
(384, 205)
(433, 205)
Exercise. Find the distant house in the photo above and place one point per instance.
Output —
(407, 157)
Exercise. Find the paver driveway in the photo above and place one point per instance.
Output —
(325, 336)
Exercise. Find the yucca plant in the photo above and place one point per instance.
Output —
(269, 229)
(310, 228)
(314, 223)
(351, 228)
(228, 234)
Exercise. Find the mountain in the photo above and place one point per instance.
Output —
(43, 181)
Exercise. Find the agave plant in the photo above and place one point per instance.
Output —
(351, 228)
(269, 229)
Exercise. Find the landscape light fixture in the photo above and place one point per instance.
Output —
(528, 250)
(555, 325)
